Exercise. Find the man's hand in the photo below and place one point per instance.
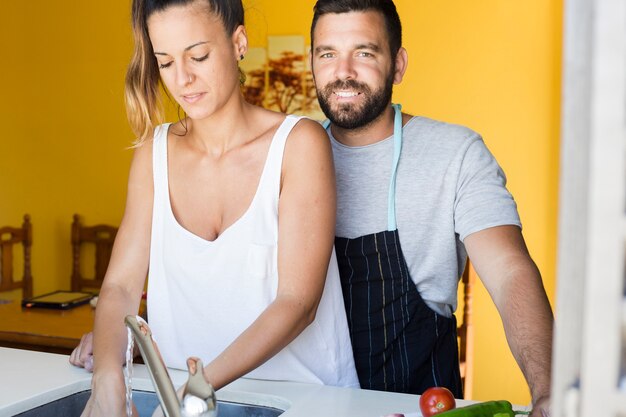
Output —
(541, 407)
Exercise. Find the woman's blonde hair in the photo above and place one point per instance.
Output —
(144, 106)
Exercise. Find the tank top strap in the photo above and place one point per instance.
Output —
(159, 161)
(269, 184)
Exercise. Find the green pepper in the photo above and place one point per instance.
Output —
(487, 409)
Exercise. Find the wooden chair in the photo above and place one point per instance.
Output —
(465, 334)
(10, 236)
(102, 237)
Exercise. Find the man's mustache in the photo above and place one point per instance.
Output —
(345, 85)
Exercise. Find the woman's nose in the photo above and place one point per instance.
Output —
(184, 77)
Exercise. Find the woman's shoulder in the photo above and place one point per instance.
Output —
(307, 143)
(156, 144)
(307, 136)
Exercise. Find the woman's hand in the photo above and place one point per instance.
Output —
(82, 355)
(108, 397)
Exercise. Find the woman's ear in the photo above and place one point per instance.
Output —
(402, 62)
(240, 42)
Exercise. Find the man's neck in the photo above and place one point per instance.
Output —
(375, 131)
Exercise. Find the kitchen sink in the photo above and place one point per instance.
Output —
(146, 402)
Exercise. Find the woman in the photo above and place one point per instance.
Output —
(231, 211)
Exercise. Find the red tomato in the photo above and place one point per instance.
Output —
(436, 400)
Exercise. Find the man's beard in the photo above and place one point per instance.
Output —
(353, 116)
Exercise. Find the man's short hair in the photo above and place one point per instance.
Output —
(385, 7)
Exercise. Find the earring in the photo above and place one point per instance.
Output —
(241, 57)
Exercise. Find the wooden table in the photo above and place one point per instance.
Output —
(47, 330)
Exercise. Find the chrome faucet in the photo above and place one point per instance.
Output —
(198, 395)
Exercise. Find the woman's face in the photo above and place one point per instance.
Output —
(197, 59)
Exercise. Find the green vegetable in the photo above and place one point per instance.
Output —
(487, 409)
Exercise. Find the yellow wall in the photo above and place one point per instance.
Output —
(62, 149)
(493, 65)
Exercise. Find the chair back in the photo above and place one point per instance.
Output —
(9, 238)
(465, 334)
(102, 237)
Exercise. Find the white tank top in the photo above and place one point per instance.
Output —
(203, 294)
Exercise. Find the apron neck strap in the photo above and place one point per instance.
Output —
(397, 148)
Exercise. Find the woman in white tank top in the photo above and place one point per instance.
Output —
(231, 211)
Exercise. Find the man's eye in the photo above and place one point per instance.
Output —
(166, 65)
(326, 55)
(202, 58)
(365, 54)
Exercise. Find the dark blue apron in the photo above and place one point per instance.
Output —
(399, 343)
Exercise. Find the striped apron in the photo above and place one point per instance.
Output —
(399, 343)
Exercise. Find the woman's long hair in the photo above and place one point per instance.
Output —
(144, 107)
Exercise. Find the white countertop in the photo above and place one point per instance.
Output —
(30, 379)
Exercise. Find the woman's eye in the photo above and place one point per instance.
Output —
(165, 65)
(200, 59)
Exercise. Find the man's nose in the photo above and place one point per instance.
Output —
(345, 69)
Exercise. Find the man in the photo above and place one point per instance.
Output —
(415, 198)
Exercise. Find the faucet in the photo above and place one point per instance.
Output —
(198, 395)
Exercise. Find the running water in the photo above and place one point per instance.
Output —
(128, 373)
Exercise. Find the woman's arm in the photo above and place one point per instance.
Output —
(121, 290)
(306, 228)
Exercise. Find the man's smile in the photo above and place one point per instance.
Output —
(346, 94)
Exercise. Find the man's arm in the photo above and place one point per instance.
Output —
(502, 261)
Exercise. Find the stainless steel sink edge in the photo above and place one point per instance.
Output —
(251, 398)
(46, 397)
(146, 401)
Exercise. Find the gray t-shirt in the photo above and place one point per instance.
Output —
(448, 186)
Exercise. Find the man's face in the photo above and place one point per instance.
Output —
(352, 67)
